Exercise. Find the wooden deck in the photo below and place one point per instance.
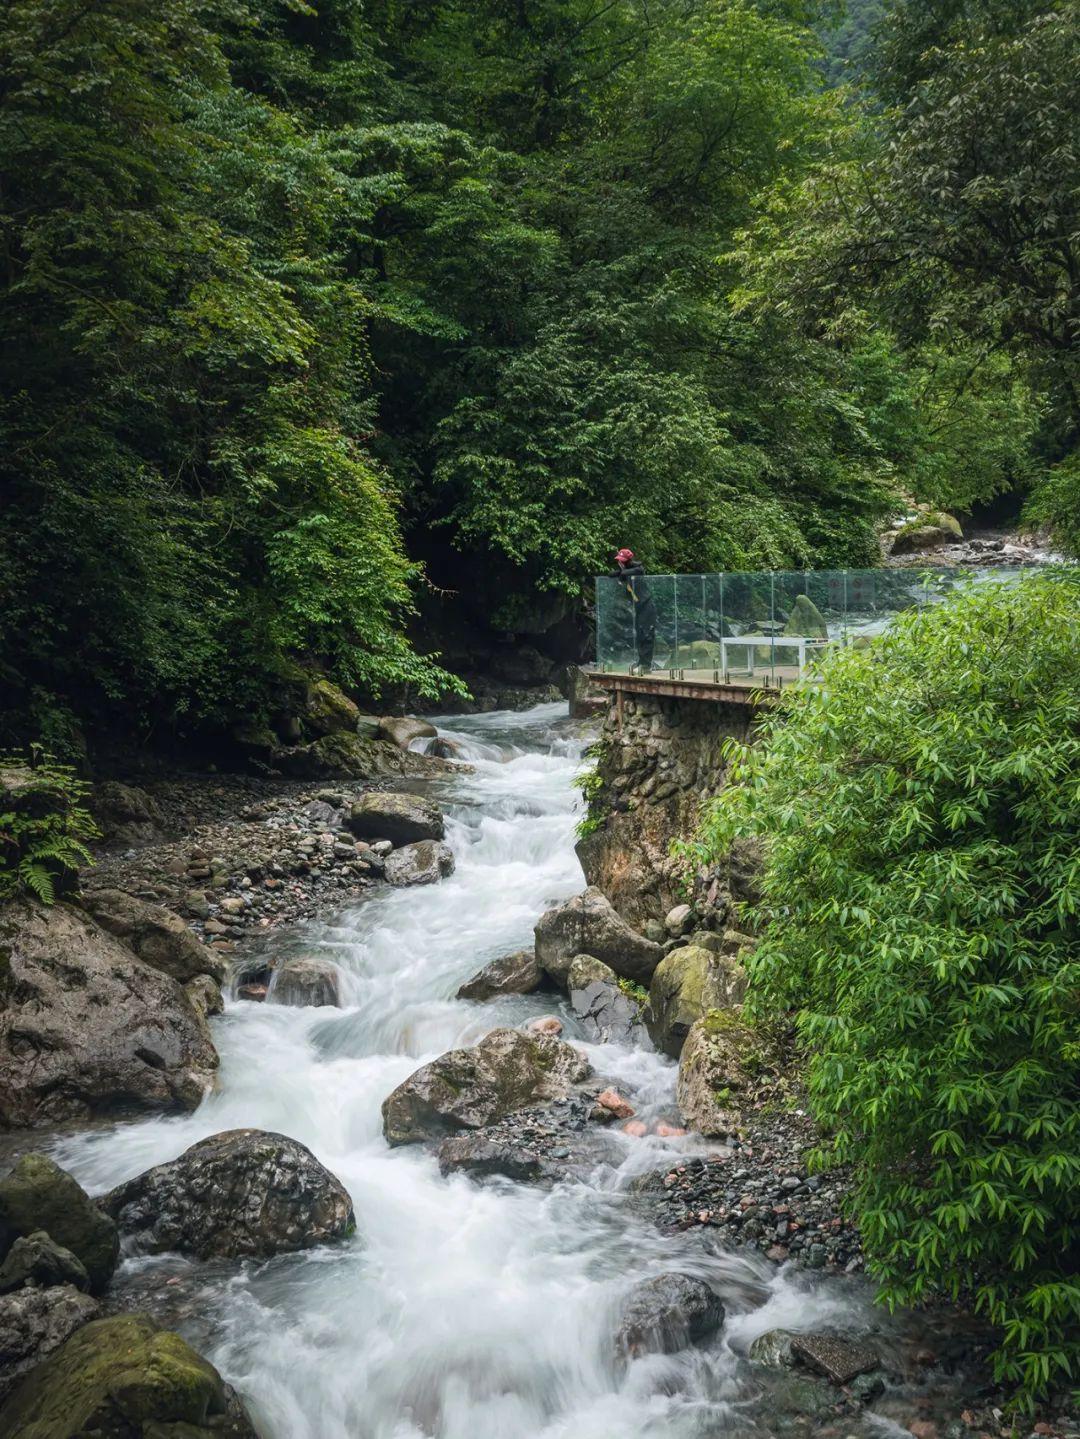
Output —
(750, 692)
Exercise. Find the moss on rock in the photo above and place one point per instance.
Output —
(39, 1195)
(124, 1378)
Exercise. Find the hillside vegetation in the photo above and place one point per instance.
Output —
(921, 923)
(308, 304)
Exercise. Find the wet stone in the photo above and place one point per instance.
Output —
(837, 1359)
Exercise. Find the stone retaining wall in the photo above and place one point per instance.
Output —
(655, 766)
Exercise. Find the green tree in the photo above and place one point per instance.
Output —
(919, 811)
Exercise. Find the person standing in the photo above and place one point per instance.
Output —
(631, 574)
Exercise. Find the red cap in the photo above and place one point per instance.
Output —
(624, 556)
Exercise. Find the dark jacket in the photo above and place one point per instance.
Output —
(632, 578)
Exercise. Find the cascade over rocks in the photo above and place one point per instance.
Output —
(86, 1027)
(688, 983)
(516, 973)
(666, 1314)
(304, 983)
(124, 1378)
(424, 863)
(159, 937)
(400, 818)
(244, 1193)
(508, 1070)
(39, 1195)
(710, 1070)
(33, 1324)
(589, 924)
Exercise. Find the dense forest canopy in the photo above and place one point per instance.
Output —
(309, 306)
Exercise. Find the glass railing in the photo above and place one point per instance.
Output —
(757, 627)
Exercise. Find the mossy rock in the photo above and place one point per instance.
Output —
(806, 619)
(328, 711)
(928, 532)
(712, 1073)
(39, 1195)
(124, 1378)
(688, 983)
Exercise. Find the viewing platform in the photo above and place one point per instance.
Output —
(742, 637)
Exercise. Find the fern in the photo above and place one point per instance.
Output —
(44, 826)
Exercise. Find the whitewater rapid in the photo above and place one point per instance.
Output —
(459, 1311)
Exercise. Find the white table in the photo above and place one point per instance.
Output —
(803, 643)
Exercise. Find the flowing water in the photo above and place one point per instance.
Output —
(459, 1311)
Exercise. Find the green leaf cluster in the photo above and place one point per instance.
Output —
(920, 815)
(44, 826)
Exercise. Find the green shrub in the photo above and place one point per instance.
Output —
(44, 827)
(920, 812)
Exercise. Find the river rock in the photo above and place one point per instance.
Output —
(667, 1313)
(424, 863)
(484, 1156)
(687, 984)
(204, 995)
(159, 937)
(588, 924)
(679, 920)
(607, 1015)
(125, 814)
(40, 1261)
(88, 1028)
(773, 1349)
(326, 710)
(33, 1324)
(244, 1193)
(38, 1194)
(839, 1360)
(403, 730)
(400, 818)
(711, 1072)
(124, 1378)
(468, 1088)
(305, 983)
(516, 973)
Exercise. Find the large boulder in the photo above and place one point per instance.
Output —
(711, 1072)
(305, 983)
(39, 1261)
(589, 924)
(327, 711)
(424, 863)
(159, 937)
(806, 619)
(33, 1324)
(404, 729)
(38, 1194)
(126, 814)
(688, 983)
(516, 973)
(607, 1015)
(244, 1193)
(341, 755)
(469, 1088)
(928, 532)
(666, 1314)
(124, 1378)
(86, 1027)
(400, 818)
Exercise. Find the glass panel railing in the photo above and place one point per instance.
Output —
(757, 627)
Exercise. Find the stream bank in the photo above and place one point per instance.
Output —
(468, 1310)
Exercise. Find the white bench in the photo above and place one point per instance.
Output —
(804, 644)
